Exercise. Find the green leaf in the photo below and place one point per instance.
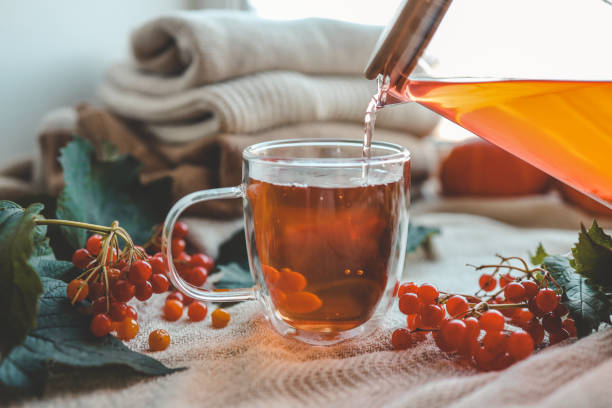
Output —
(61, 248)
(539, 256)
(234, 276)
(60, 333)
(587, 306)
(102, 192)
(234, 250)
(599, 236)
(233, 263)
(52, 268)
(593, 256)
(419, 235)
(20, 286)
(62, 336)
(43, 258)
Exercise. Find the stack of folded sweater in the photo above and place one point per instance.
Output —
(202, 85)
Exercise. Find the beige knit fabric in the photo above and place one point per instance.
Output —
(198, 73)
(254, 103)
(248, 365)
(202, 47)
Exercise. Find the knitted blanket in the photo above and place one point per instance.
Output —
(253, 103)
(193, 48)
(199, 73)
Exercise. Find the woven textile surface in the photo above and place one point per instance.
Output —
(247, 364)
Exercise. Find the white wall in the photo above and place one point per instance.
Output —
(54, 52)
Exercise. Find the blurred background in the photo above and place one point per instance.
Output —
(58, 53)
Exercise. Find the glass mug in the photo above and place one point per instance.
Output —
(326, 234)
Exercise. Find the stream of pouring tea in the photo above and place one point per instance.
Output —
(375, 104)
(368, 128)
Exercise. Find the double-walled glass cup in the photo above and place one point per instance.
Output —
(326, 234)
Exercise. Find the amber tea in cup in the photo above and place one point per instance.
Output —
(326, 234)
(325, 251)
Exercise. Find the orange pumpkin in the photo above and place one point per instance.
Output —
(478, 168)
(583, 201)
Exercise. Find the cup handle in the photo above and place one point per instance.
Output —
(231, 295)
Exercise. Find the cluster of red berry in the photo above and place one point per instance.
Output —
(538, 307)
(111, 280)
(513, 324)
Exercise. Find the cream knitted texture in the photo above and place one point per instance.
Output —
(199, 73)
(201, 47)
(259, 101)
(247, 364)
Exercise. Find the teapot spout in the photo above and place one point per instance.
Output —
(394, 99)
(393, 96)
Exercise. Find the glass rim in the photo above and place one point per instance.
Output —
(399, 153)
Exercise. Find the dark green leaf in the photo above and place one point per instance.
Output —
(234, 276)
(53, 268)
(233, 263)
(419, 235)
(587, 306)
(599, 236)
(539, 256)
(593, 256)
(102, 192)
(61, 248)
(234, 250)
(62, 336)
(20, 286)
(43, 258)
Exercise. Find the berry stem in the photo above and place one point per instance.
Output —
(492, 274)
(547, 275)
(106, 243)
(482, 305)
(494, 295)
(151, 241)
(78, 292)
(448, 295)
(512, 267)
(114, 228)
(517, 258)
(86, 271)
(500, 306)
(419, 329)
(76, 224)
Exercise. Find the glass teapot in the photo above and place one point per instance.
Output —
(547, 93)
